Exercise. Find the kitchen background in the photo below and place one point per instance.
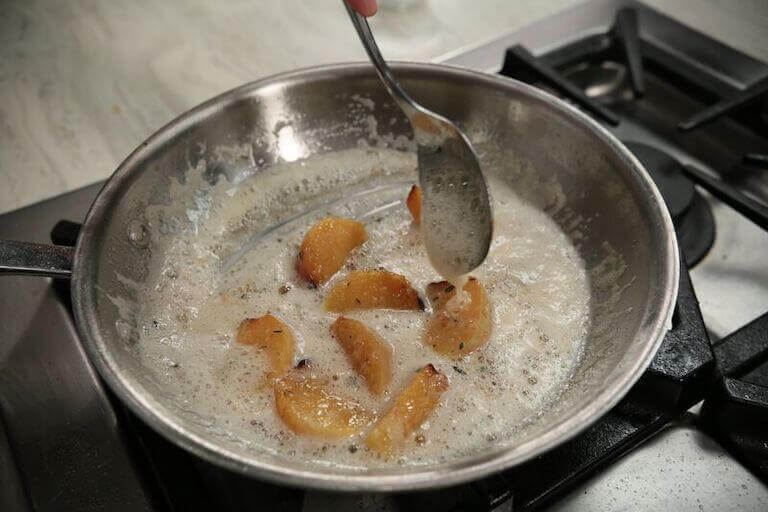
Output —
(83, 82)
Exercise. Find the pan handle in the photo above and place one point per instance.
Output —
(27, 258)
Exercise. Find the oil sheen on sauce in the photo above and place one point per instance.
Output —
(233, 256)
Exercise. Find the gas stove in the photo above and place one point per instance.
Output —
(693, 433)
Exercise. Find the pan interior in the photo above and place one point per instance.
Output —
(227, 263)
(212, 194)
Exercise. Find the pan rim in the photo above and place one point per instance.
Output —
(83, 299)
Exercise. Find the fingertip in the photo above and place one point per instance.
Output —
(366, 8)
(371, 7)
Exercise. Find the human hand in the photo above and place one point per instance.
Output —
(364, 7)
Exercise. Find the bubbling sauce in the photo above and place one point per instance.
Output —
(233, 256)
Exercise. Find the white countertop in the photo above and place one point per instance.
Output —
(84, 82)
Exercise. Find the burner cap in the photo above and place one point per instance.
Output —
(691, 214)
(598, 81)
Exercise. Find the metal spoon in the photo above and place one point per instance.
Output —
(456, 217)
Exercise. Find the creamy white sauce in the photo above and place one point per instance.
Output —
(231, 262)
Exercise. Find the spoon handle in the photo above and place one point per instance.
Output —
(366, 36)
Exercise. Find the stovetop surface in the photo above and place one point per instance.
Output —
(66, 443)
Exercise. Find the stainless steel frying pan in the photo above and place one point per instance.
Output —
(625, 226)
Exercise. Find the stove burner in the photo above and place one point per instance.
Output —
(692, 216)
(696, 231)
(606, 82)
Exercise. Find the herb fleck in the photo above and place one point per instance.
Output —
(461, 346)
(277, 331)
(459, 370)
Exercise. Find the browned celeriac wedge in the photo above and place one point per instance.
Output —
(372, 289)
(272, 335)
(326, 247)
(410, 409)
(414, 203)
(458, 325)
(368, 353)
(307, 407)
